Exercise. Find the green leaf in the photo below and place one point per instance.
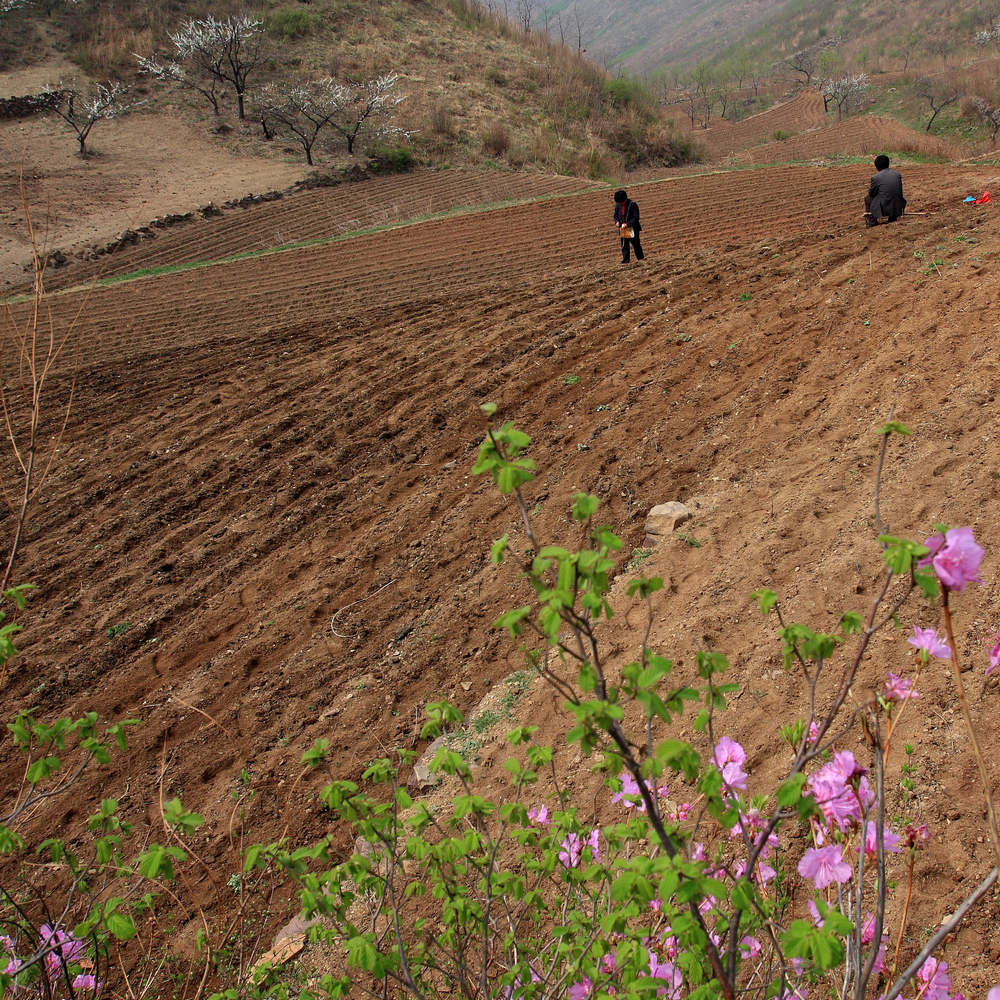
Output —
(499, 549)
(894, 427)
(585, 506)
(42, 769)
(790, 791)
(489, 409)
(851, 623)
(317, 754)
(766, 599)
(120, 926)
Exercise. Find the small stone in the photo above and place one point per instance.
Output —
(664, 518)
(466, 685)
(423, 777)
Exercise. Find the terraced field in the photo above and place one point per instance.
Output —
(260, 527)
(802, 112)
(866, 135)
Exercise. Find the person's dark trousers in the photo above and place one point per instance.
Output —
(626, 250)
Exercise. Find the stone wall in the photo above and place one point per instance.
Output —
(31, 104)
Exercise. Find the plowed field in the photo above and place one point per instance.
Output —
(265, 475)
(804, 111)
(317, 215)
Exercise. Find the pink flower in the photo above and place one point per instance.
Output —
(729, 758)
(890, 840)
(994, 994)
(630, 796)
(898, 688)
(917, 834)
(926, 640)
(934, 979)
(539, 815)
(670, 973)
(994, 657)
(868, 935)
(63, 949)
(84, 982)
(580, 990)
(824, 865)
(955, 558)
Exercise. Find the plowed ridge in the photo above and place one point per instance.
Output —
(319, 214)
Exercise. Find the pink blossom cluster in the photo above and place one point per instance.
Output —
(841, 790)
(572, 846)
(61, 950)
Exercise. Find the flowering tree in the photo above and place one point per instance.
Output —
(209, 52)
(848, 92)
(302, 110)
(367, 110)
(83, 111)
(988, 114)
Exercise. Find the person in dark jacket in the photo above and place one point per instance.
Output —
(885, 194)
(627, 221)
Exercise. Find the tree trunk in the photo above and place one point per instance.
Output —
(239, 103)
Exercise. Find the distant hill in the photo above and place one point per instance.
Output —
(642, 35)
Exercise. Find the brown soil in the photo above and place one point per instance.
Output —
(266, 472)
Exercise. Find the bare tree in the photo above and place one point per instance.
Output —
(807, 61)
(36, 348)
(525, 12)
(938, 94)
(579, 28)
(211, 52)
(82, 112)
(367, 109)
(302, 110)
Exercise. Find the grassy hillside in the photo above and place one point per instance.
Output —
(479, 89)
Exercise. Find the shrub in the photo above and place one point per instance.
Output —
(391, 160)
(625, 92)
(639, 142)
(292, 23)
(496, 139)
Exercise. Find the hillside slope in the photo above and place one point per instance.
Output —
(641, 37)
(265, 476)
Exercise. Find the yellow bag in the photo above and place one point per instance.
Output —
(627, 233)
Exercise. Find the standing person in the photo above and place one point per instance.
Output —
(627, 221)
(885, 194)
